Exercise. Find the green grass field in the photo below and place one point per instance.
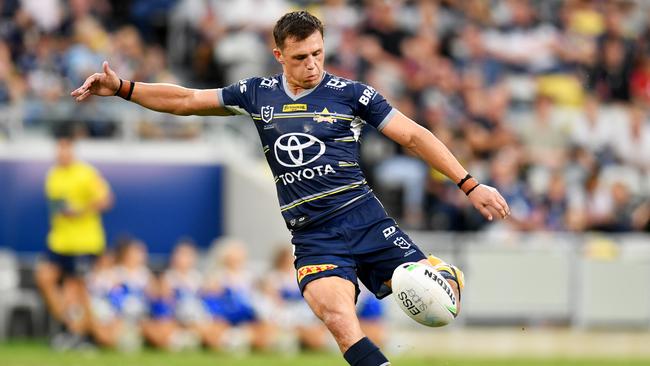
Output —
(38, 354)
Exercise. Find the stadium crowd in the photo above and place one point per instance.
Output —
(545, 100)
(213, 300)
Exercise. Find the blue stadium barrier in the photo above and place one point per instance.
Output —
(158, 203)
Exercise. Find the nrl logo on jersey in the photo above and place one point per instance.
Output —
(325, 116)
(266, 113)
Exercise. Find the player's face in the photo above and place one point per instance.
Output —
(302, 61)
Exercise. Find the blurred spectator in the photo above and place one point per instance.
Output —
(544, 143)
(640, 81)
(582, 23)
(77, 195)
(134, 280)
(405, 174)
(591, 130)
(47, 14)
(632, 144)
(381, 22)
(110, 328)
(614, 208)
(100, 282)
(485, 130)
(555, 204)
(228, 294)
(151, 16)
(41, 63)
(282, 303)
(12, 89)
(524, 43)
(504, 172)
(144, 302)
(161, 328)
(90, 47)
(472, 57)
(185, 283)
(243, 48)
(339, 18)
(624, 206)
(610, 78)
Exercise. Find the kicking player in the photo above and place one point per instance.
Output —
(309, 122)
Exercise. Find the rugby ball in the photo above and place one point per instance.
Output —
(423, 294)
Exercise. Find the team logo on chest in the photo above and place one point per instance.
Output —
(266, 113)
(324, 116)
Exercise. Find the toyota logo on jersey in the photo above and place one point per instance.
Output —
(297, 149)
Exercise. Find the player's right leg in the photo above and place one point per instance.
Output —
(333, 301)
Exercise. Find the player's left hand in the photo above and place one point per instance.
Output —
(488, 200)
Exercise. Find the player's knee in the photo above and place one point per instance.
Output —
(329, 293)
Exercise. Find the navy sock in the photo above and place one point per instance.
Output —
(365, 353)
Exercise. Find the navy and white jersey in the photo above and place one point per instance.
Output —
(311, 140)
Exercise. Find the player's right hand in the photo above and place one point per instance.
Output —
(102, 84)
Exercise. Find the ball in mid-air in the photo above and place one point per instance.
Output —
(424, 295)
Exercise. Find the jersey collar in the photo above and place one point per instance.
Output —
(294, 97)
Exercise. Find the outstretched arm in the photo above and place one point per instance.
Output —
(418, 139)
(167, 98)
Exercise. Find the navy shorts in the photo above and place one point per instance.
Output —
(72, 265)
(361, 242)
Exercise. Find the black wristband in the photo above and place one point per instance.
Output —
(128, 96)
(471, 189)
(462, 181)
(118, 88)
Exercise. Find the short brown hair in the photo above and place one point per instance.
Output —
(297, 24)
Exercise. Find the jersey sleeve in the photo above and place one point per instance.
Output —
(372, 107)
(238, 97)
